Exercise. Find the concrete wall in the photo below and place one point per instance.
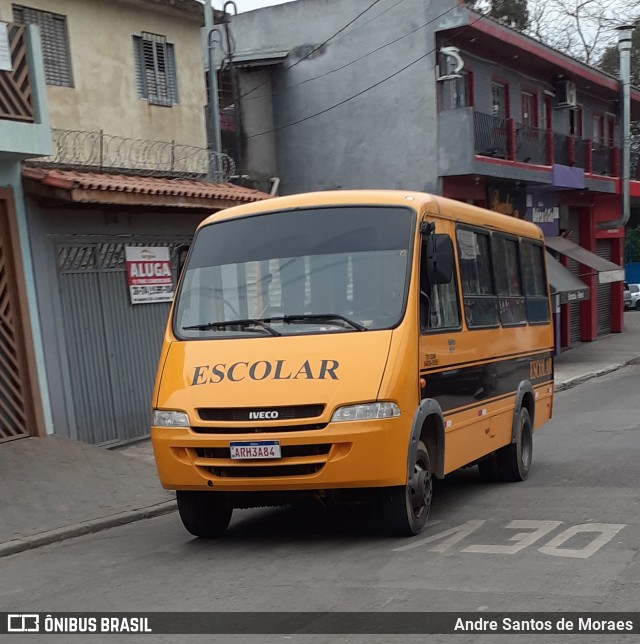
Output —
(104, 95)
(384, 138)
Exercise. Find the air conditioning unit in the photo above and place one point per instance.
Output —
(566, 94)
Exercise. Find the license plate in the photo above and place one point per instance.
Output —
(255, 450)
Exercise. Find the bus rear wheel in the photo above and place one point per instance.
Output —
(511, 462)
(407, 507)
(204, 514)
(514, 460)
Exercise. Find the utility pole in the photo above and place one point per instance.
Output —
(624, 49)
(214, 143)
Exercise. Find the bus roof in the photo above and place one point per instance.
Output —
(420, 201)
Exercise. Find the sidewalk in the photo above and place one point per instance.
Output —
(53, 488)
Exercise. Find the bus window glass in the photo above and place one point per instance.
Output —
(349, 262)
(480, 302)
(438, 303)
(535, 283)
(507, 272)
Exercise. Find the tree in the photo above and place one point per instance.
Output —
(583, 29)
(513, 13)
(610, 59)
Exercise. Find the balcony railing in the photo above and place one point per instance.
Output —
(490, 135)
(531, 145)
(99, 151)
(15, 86)
(506, 139)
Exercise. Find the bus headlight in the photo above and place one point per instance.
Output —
(163, 418)
(368, 411)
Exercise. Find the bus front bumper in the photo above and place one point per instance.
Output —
(364, 454)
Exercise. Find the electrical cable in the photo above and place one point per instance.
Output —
(377, 84)
(320, 46)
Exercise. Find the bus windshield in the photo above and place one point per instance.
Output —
(335, 269)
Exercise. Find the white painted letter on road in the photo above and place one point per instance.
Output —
(522, 539)
(606, 532)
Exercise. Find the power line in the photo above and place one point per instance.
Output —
(320, 46)
(356, 60)
(367, 89)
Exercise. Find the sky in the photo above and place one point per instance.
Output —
(249, 5)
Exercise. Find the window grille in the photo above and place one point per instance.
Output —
(55, 42)
(155, 69)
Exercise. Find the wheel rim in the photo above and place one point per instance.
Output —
(420, 490)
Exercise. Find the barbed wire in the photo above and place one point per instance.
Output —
(96, 150)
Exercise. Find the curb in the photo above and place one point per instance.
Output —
(578, 380)
(87, 527)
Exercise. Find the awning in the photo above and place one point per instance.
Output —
(567, 285)
(133, 190)
(607, 271)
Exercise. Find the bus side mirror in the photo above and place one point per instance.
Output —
(439, 256)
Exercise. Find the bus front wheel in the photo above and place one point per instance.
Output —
(407, 507)
(204, 514)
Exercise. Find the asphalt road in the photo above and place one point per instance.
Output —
(565, 540)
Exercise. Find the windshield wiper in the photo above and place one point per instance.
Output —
(220, 325)
(311, 317)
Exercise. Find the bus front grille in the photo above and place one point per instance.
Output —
(265, 471)
(245, 414)
(259, 430)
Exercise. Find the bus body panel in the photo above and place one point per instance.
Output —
(472, 374)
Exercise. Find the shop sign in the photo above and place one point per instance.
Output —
(543, 210)
(149, 274)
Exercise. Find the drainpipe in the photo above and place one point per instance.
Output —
(624, 47)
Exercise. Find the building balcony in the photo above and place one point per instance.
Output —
(519, 152)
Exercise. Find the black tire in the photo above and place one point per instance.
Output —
(638, 305)
(204, 514)
(514, 460)
(406, 508)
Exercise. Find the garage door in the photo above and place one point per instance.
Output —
(112, 346)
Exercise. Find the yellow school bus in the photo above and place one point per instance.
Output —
(351, 346)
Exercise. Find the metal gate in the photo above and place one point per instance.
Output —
(17, 413)
(112, 345)
(575, 332)
(603, 303)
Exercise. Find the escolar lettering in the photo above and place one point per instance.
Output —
(265, 370)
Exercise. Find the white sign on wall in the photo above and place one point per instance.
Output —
(6, 65)
(149, 274)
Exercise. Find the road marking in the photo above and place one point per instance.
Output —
(458, 534)
(607, 532)
(523, 539)
(604, 533)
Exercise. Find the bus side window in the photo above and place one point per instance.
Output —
(480, 300)
(506, 267)
(438, 302)
(535, 283)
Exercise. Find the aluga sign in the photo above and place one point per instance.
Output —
(350, 347)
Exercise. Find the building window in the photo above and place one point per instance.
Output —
(155, 69)
(55, 43)
(529, 110)
(499, 100)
